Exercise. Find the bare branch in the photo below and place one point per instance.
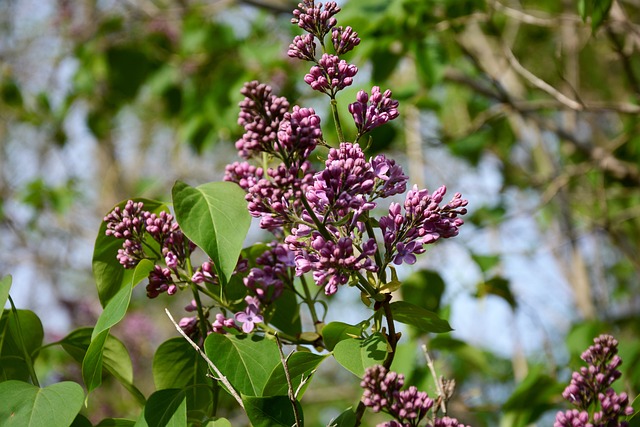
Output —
(290, 392)
(215, 369)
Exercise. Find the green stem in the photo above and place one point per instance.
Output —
(319, 225)
(20, 339)
(336, 118)
(378, 257)
(393, 343)
(310, 301)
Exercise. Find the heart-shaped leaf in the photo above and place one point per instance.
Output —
(357, 354)
(335, 332)
(25, 405)
(246, 360)
(166, 408)
(215, 217)
(424, 320)
(301, 366)
(273, 411)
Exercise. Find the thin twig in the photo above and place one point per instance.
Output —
(219, 375)
(539, 83)
(439, 388)
(290, 392)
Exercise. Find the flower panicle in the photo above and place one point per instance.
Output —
(590, 387)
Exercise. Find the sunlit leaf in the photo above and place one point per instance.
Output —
(273, 411)
(301, 366)
(416, 316)
(246, 360)
(357, 354)
(215, 217)
(25, 405)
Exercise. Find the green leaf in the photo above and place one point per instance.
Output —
(92, 363)
(302, 366)
(81, 421)
(498, 286)
(220, 422)
(357, 354)
(335, 332)
(486, 262)
(115, 358)
(116, 422)
(5, 286)
(117, 307)
(173, 364)
(534, 396)
(166, 408)
(425, 287)
(15, 341)
(270, 411)
(25, 405)
(215, 217)
(597, 10)
(286, 314)
(345, 419)
(246, 360)
(109, 274)
(424, 320)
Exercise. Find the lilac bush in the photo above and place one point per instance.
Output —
(598, 405)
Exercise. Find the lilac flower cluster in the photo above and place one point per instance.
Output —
(369, 112)
(591, 386)
(331, 75)
(260, 114)
(382, 393)
(315, 18)
(424, 222)
(267, 281)
(134, 224)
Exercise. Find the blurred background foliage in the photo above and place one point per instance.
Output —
(530, 108)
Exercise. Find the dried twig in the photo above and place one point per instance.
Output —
(290, 392)
(215, 369)
(437, 380)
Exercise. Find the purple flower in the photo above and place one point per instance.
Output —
(314, 18)
(189, 325)
(344, 39)
(243, 174)
(260, 114)
(390, 179)
(333, 262)
(331, 75)
(590, 386)
(446, 422)
(303, 47)
(249, 317)
(160, 281)
(370, 112)
(344, 184)
(277, 199)
(298, 135)
(424, 222)
(221, 323)
(382, 392)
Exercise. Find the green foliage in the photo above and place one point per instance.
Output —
(357, 354)
(214, 216)
(25, 405)
(270, 411)
(109, 275)
(246, 360)
(424, 320)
